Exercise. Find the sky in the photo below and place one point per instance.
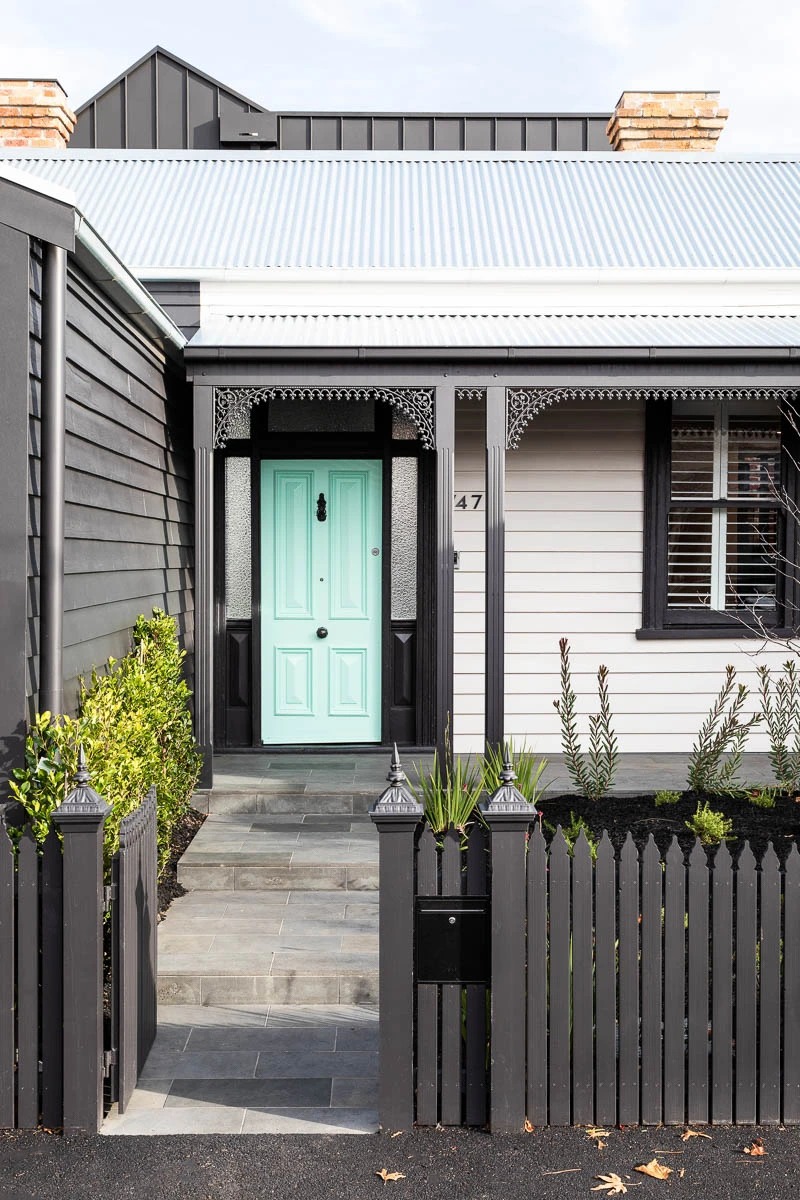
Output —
(500, 55)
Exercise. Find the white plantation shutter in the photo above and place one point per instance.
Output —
(723, 518)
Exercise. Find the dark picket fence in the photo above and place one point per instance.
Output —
(56, 1049)
(626, 990)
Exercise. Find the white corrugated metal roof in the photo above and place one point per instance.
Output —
(191, 210)
(458, 330)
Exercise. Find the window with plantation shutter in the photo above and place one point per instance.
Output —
(718, 545)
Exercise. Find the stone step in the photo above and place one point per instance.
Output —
(282, 852)
(232, 947)
(279, 800)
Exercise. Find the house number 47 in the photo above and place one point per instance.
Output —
(469, 500)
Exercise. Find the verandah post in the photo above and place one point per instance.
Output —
(508, 815)
(396, 816)
(80, 819)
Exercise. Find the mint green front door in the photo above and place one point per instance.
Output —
(321, 570)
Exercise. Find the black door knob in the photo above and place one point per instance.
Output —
(322, 632)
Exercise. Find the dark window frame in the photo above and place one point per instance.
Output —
(658, 620)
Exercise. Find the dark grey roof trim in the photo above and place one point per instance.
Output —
(30, 211)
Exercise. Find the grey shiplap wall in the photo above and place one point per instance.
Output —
(128, 512)
(180, 300)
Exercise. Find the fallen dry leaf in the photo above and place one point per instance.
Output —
(655, 1169)
(398, 1134)
(681, 1173)
(690, 1133)
(387, 1175)
(755, 1148)
(612, 1185)
(593, 1132)
(528, 1127)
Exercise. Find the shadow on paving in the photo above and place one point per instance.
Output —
(441, 1165)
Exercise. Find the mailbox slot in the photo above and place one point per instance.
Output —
(452, 939)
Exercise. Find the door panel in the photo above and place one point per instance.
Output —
(321, 569)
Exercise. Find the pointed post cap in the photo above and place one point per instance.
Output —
(397, 801)
(507, 801)
(82, 803)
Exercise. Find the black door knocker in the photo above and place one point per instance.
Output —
(322, 508)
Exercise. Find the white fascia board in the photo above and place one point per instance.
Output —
(677, 293)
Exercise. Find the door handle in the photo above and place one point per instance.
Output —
(322, 632)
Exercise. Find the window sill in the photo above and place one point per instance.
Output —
(733, 633)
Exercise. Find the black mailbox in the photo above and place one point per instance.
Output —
(453, 939)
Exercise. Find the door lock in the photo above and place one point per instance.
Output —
(322, 632)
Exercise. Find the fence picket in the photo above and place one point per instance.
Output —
(697, 1078)
(674, 986)
(477, 1026)
(7, 924)
(52, 983)
(651, 985)
(559, 880)
(451, 995)
(27, 982)
(582, 985)
(427, 999)
(746, 988)
(537, 979)
(722, 988)
(791, 990)
(605, 984)
(629, 984)
(769, 992)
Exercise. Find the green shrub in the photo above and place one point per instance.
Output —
(527, 767)
(722, 733)
(710, 826)
(781, 714)
(136, 730)
(592, 773)
(572, 832)
(666, 797)
(762, 797)
(450, 793)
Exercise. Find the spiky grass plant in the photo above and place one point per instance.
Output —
(717, 753)
(527, 767)
(450, 793)
(592, 773)
(781, 712)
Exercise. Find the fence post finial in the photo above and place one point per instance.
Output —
(82, 803)
(397, 800)
(507, 799)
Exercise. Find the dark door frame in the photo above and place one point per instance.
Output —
(413, 640)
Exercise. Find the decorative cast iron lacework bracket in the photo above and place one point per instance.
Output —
(232, 405)
(523, 404)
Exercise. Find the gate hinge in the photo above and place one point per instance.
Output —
(109, 895)
(109, 1061)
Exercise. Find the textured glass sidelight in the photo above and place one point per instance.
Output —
(237, 540)
(403, 428)
(310, 414)
(404, 539)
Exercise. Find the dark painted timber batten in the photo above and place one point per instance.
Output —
(445, 423)
(204, 575)
(495, 563)
(54, 400)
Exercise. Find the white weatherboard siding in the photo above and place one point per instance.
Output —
(574, 517)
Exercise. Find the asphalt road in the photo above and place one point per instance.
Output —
(437, 1164)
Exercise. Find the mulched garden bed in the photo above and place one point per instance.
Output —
(182, 835)
(758, 826)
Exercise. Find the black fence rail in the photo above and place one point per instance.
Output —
(54, 1052)
(134, 881)
(623, 989)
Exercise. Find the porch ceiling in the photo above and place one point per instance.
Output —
(487, 330)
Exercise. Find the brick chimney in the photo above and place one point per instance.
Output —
(666, 121)
(34, 114)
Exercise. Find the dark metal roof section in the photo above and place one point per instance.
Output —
(164, 103)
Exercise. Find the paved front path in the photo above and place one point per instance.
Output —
(255, 1069)
(437, 1165)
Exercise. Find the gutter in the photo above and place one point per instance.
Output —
(132, 298)
(788, 354)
